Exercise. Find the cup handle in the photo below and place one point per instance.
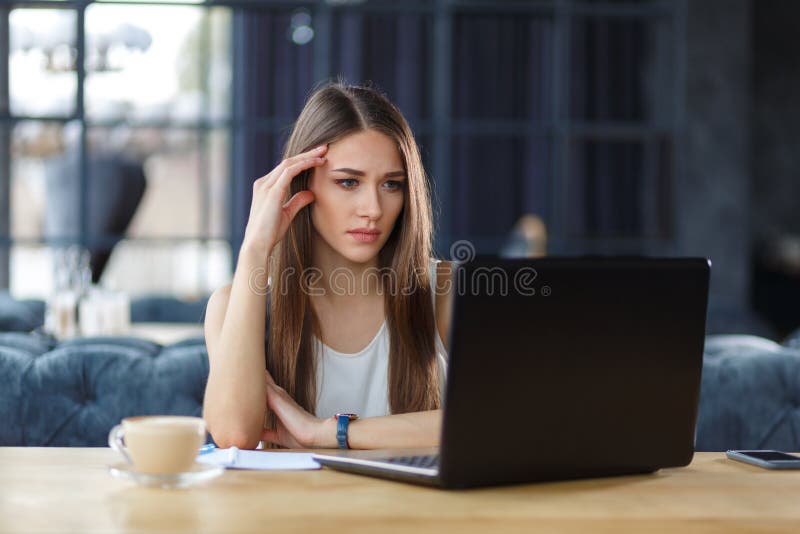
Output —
(115, 442)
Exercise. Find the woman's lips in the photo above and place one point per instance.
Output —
(364, 237)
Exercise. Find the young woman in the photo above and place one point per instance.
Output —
(336, 262)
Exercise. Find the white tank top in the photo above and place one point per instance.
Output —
(358, 382)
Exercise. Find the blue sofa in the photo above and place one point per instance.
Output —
(750, 394)
(72, 393)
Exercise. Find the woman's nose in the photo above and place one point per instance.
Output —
(369, 204)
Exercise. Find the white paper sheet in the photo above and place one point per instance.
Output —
(234, 458)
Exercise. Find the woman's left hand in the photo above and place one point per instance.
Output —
(295, 428)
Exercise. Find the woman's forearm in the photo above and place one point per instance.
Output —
(416, 429)
(234, 405)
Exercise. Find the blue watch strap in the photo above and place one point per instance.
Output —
(342, 422)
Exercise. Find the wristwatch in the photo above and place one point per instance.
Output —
(342, 423)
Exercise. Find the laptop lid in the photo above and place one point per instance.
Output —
(572, 367)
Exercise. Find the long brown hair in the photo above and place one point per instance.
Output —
(332, 112)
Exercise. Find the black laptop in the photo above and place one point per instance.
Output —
(562, 368)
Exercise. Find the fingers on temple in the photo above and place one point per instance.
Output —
(314, 152)
(288, 162)
(309, 154)
(292, 171)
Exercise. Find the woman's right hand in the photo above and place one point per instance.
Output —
(270, 213)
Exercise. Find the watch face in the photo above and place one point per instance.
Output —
(351, 416)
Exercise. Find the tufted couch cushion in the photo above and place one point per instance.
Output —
(750, 395)
(72, 393)
(20, 315)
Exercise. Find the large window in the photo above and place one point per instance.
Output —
(566, 109)
(119, 133)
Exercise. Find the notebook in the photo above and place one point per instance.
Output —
(234, 458)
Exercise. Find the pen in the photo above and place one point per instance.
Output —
(208, 447)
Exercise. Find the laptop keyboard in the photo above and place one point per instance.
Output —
(430, 461)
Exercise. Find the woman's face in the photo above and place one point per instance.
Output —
(358, 195)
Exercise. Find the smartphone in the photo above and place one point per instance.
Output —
(766, 459)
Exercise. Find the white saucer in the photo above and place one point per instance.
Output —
(199, 473)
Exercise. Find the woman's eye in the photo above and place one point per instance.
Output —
(347, 183)
(394, 184)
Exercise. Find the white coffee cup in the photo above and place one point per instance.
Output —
(159, 444)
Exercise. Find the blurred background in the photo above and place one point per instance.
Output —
(136, 128)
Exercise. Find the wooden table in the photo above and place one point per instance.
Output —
(70, 490)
